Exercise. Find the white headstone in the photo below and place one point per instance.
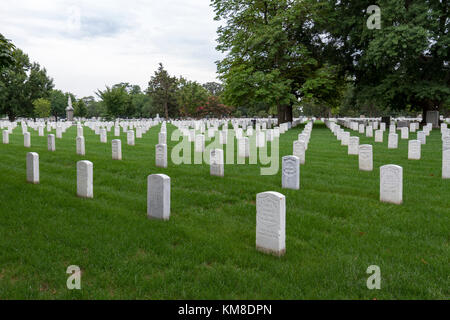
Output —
(5, 137)
(116, 131)
(299, 151)
(392, 128)
(244, 147)
(260, 139)
(393, 141)
(421, 136)
(446, 164)
(41, 131)
(103, 136)
(26, 140)
(130, 137)
(446, 143)
(271, 223)
(216, 163)
(116, 149)
(361, 128)
(51, 142)
(291, 173)
(85, 179)
(369, 131)
(391, 184)
(158, 197)
(33, 167)
(379, 136)
(80, 132)
(353, 146)
(345, 136)
(162, 138)
(81, 150)
(405, 133)
(199, 143)
(366, 157)
(161, 155)
(138, 132)
(414, 149)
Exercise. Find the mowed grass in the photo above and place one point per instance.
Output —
(336, 226)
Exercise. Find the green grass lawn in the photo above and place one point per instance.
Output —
(336, 227)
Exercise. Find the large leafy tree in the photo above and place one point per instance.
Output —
(42, 107)
(94, 108)
(20, 84)
(213, 107)
(190, 95)
(271, 51)
(58, 101)
(401, 66)
(80, 109)
(162, 89)
(214, 88)
(6, 52)
(116, 100)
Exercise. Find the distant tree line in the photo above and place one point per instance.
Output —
(27, 91)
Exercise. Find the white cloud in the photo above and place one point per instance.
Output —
(85, 45)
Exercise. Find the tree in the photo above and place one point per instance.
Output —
(58, 101)
(42, 108)
(213, 108)
(143, 105)
(94, 108)
(190, 95)
(402, 66)
(6, 52)
(116, 100)
(270, 51)
(162, 88)
(80, 109)
(214, 88)
(20, 84)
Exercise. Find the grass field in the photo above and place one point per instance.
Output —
(336, 227)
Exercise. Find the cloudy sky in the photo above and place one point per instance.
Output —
(85, 45)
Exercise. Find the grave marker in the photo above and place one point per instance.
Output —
(391, 184)
(366, 157)
(85, 179)
(33, 167)
(116, 149)
(271, 223)
(158, 196)
(291, 173)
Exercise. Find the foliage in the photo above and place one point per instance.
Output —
(116, 100)
(190, 95)
(214, 88)
(20, 84)
(6, 52)
(213, 108)
(42, 108)
(59, 100)
(401, 66)
(80, 109)
(162, 89)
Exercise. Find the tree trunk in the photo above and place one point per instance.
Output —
(427, 105)
(289, 114)
(281, 114)
(166, 110)
(11, 116)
